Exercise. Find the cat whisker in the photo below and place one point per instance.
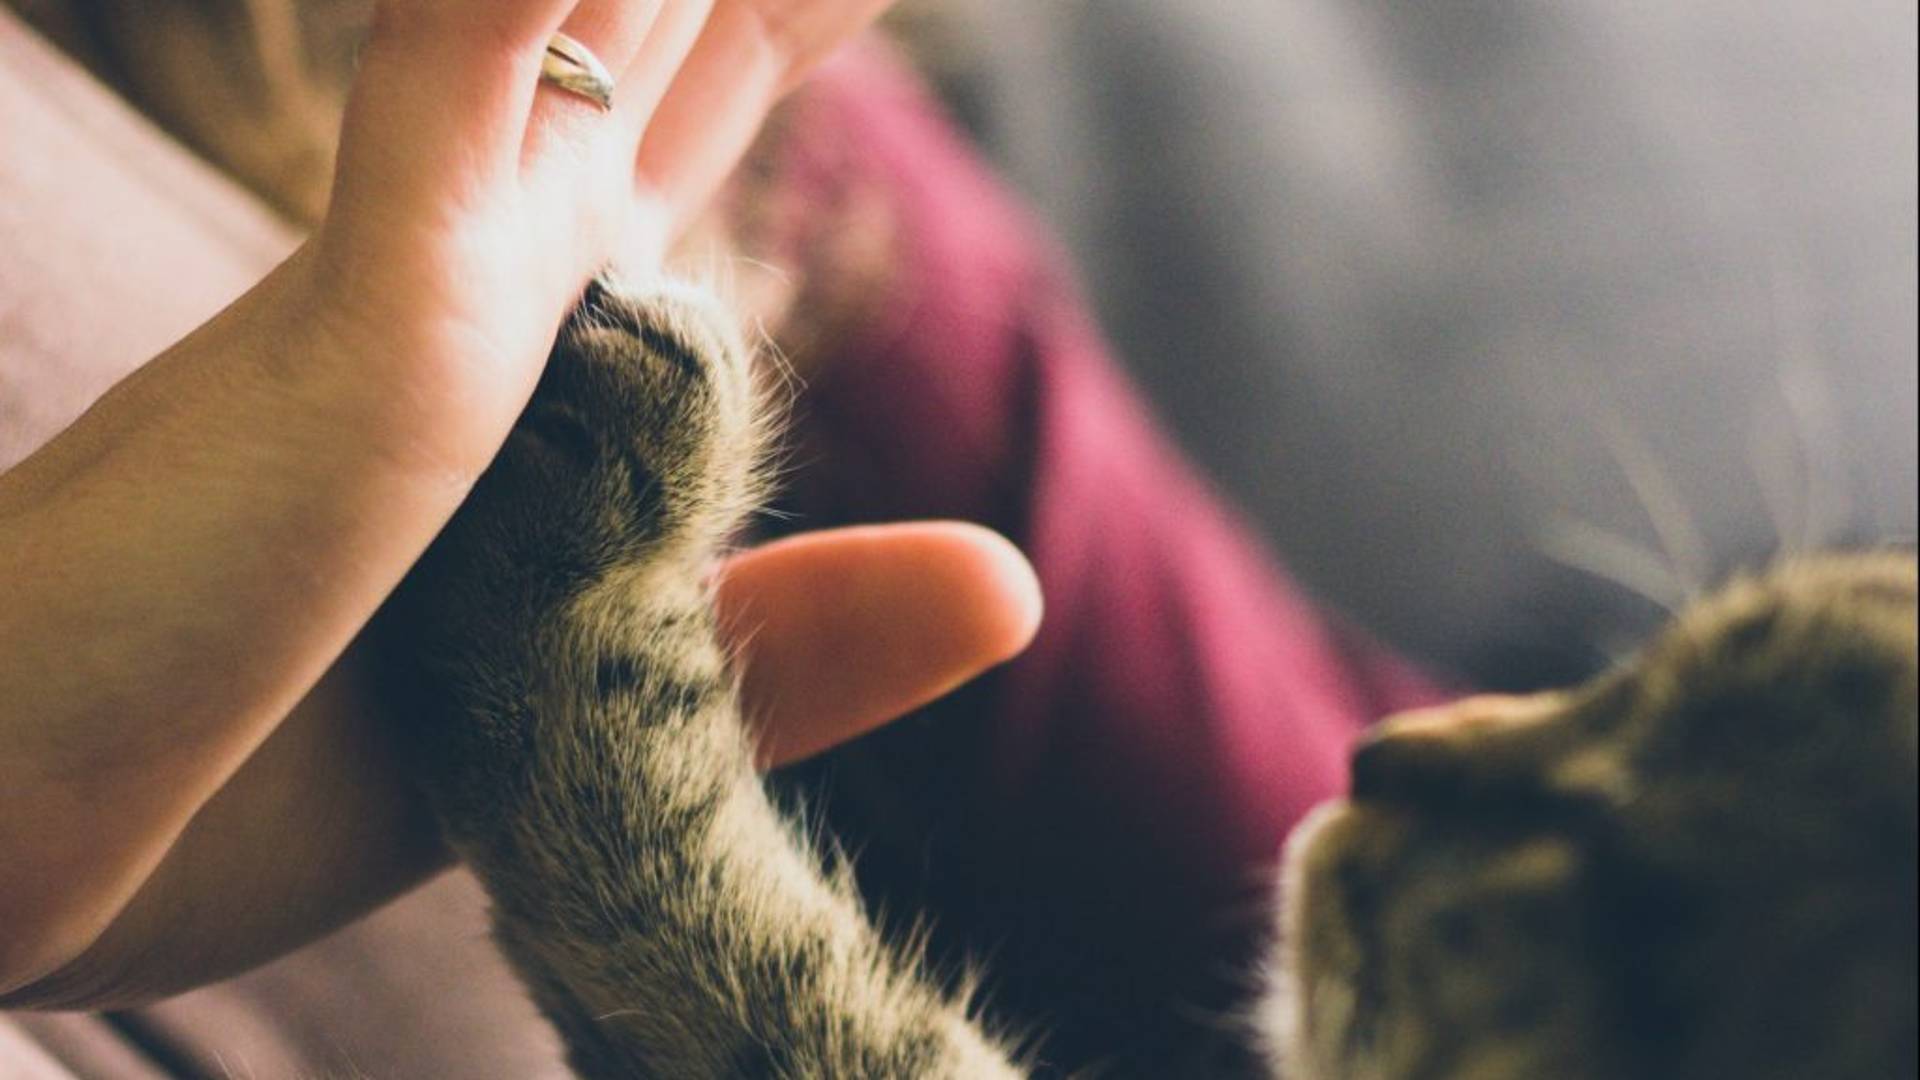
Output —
(1781, 477)
(778, 273)
(1611, 557)
(1686, 550)
(1804, 390)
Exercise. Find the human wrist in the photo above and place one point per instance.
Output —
(361, 373)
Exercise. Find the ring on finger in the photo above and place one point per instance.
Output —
(571, 66)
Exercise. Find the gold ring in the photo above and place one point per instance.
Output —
(572, 67)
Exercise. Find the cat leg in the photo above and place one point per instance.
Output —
(582, 742)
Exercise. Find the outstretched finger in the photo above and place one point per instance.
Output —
(658, 66)
(439, 107)
(584, 159)
(841, 631)
(749, 53)
(568, 124)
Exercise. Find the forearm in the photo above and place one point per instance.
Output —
(319, 827)
(131, 697)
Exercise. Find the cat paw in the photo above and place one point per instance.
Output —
(651, 392)
(631, 463)
(637, 451)
(639, 437)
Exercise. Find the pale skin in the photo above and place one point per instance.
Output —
(197, 775)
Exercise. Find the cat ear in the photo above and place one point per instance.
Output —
(1488, 740)
(1486, 746)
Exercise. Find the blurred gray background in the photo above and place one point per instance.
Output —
(1507, 321)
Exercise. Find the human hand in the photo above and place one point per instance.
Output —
(187, 561)
(505, 205)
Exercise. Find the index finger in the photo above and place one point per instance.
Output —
(841, 631)
(749, 54)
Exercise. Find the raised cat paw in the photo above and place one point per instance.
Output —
(632, 462)
(637, 449)
(579, 737)
(637, 442)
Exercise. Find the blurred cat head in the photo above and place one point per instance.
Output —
(1702, 864)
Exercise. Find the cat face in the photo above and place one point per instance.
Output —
(1703, 864)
